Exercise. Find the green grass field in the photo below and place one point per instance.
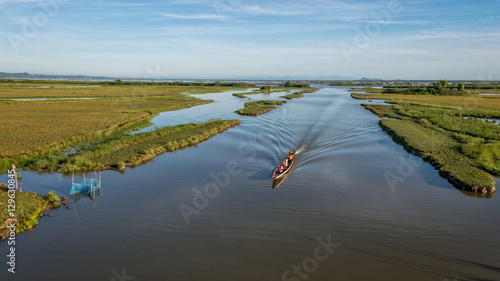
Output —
(35, 130)
(442, 150)
(449, 131)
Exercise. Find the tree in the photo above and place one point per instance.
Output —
(444, 83)
(461, 87)
(439, 87)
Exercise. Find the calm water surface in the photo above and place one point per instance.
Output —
(416, 226)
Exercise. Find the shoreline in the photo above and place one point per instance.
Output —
(487, 184)
(428, 127)
(30, 207)
(119, 150)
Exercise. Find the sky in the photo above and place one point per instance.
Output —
(230, 39)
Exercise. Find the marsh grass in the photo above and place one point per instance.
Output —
(62, 135)
(442, 151)
(28, 127)
(29, 207)
(52, 197)
(463, 149)
(383, 110)
(256, 108)
(300, 94)
(120, 149)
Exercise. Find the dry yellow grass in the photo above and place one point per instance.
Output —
(8, 90)
(28, 126)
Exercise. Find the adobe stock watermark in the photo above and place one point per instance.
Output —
(31, 25)
(11, 214)
(406, 169)
(122, 276)
(156, 73)
(222, 7)
(310, 264)
(220, 180)
(372, 29)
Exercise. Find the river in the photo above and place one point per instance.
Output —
(356, 206)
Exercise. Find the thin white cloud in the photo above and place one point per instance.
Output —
(194, 16)
(477, 36)
(19, 1)
(269, 11)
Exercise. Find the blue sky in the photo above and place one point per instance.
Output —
(390, 39)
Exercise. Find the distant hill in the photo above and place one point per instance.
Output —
(26, 75)
(294, 78)
(371, 79)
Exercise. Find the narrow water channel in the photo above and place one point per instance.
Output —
(210, 213)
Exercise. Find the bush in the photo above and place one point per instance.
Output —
(52, 197)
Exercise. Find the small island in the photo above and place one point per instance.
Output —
(255, 108)
(29, 208)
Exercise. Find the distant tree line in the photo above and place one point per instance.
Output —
(297, 85)
(176, 83)
(120, 82)
(441, 87)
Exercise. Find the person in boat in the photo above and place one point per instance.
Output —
(290, 156)
(280, 169)
(285, 163)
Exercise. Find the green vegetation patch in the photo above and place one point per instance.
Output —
(31, 126)
(442, 151)
(241, 95)
(297, 85)
(300, 94)
(51, 134)
(256, 108)
(383, 110)
(29, 207)
(263, 90)
(454, 133)
(135, 149)
(293, 96)
(440, 88)
(117, 150)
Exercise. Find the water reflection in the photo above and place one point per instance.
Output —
(94, 198)
(477, 194)
(277, 182)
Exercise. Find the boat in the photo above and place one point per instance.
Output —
(277, 174)
(277, 182)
